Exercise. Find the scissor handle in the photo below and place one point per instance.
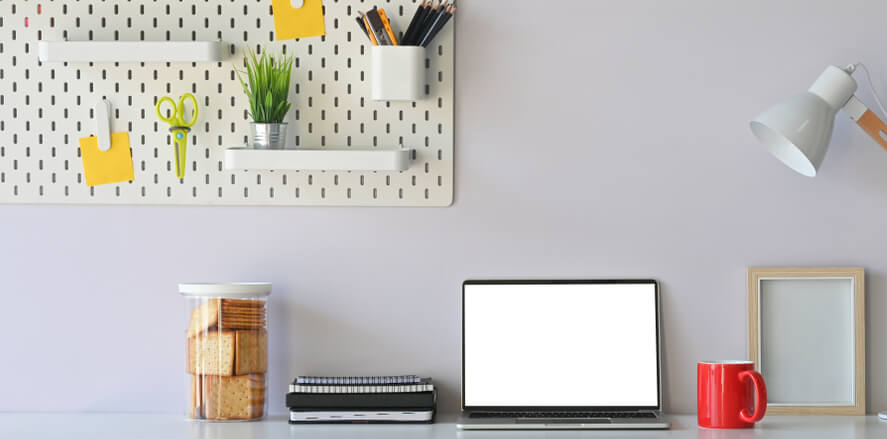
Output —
(181, 111)
(171, 119)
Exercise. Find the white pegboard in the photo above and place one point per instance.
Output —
(45, 107)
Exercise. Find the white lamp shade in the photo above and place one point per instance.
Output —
(797, 131)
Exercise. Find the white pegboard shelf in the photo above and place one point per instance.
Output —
(131, 51)
(318, 159)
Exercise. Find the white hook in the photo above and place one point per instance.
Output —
(103, 124)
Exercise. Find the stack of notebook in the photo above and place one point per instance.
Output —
(379, 399)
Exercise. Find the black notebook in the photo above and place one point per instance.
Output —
(362, 417)
(338, 401)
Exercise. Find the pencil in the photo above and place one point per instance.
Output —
(423, 15)
(443, 8)
(422, 28)
(429, 20)
(438, 25)
(366, 23)
(412, 27)
(362, 26)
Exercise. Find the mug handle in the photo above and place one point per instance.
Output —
(760, 400)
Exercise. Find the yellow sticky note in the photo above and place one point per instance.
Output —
(111, 166)
(291, 22)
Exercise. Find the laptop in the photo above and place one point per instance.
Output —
(561, 354)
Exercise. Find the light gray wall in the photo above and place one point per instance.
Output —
(594, 139)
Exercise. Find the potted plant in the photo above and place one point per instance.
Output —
(267, 86)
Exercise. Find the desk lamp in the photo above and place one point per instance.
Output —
(797, 131)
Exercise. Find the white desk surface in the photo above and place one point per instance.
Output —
(137, 426)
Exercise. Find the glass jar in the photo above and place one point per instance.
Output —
(226, 350)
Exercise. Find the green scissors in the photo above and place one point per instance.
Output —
(178, 127)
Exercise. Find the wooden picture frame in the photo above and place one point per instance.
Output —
(806, 336)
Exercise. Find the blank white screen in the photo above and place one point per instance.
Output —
(560, 345)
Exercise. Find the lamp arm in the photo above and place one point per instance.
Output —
(868, 76)
(867, 120)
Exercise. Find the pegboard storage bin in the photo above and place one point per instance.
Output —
(397, 73)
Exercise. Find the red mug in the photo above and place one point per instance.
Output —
(730, 394)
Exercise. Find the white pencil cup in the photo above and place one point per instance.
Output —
(397, 73)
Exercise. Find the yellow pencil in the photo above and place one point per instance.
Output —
(369, 29)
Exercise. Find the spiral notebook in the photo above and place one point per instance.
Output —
(366, 384)
(359, 380)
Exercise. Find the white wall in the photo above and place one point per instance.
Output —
(594, 139)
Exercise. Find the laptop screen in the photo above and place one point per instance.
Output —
(560, 344)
